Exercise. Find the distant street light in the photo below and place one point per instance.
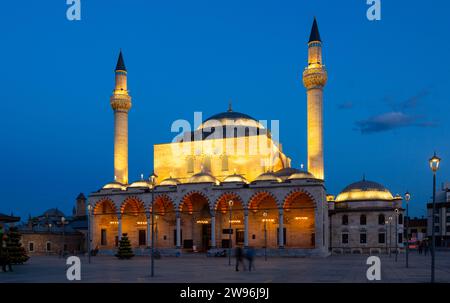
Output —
(153, 184)
(230, 205)
(390, 235)
(407, 198)
(89, 207)
(397, 212)
(63, 221)
(265, 235)
(434, 165)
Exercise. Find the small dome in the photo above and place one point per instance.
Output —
(235, 178)
(365, 191)
(114, 185)
(301, 175)
(53, 212)
(284, 173)
(202, 177)
(169, 182)
(268, 176)
(141, 183)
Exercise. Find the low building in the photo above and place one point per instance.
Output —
(442, 216)
(365, 218)
(53, 232)
(417, 230)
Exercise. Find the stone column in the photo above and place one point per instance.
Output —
(178, 229)
(280, 228)
(120, 226)
(213, 229)
(245, 227)
(149, 225)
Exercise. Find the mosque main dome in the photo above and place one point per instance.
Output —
(231, 118)
(364, 191)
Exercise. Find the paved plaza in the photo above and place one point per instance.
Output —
(199, 268)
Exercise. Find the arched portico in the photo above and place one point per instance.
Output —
(223, 210)
(133, 221)
(105, 224)
(195, 217)
(263, 220)
(299, 220)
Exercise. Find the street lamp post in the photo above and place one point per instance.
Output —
(386, 237)
(407, 198)
(396, 233)
(63, 221)
(230, 205)
(265, 235)
(434, 165)
(89, 208)
(153, 183)
(390, 235)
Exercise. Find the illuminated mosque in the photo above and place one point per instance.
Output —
(228, 184)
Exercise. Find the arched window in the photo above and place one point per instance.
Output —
(400, 219)
(207, 163)
(381, 219)
(190, 165)
(344, 220)
(224, 163)
(362, 220)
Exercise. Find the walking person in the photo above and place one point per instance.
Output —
(4, 254)
(250, 256)
(239, 258)
(420, 247)
(425, 247)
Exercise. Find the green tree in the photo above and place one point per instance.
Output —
(125, 251)
(16, 252)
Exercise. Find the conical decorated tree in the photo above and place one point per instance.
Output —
(16, 252)
(125, 251)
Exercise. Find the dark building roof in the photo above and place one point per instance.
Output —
(53, 212)
(8, 219)
(120, 63)
(81, 197)
(314, 36)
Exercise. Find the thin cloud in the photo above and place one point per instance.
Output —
(346, 105)
(390, 121)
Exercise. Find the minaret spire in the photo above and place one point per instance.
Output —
(120, 63)
(314, 36)
(314, 80)
(230, 109)
(121, 104)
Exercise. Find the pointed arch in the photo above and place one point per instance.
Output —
(221, 203)
(132, 205)
(298, 195)
(188, 201)
(105, 206)
(163, 205)
(260, 197)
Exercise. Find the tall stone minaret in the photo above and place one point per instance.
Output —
(314, 79)
(121, 104)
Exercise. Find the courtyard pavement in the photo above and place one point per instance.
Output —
(199, 268)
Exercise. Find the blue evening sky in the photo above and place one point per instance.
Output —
(386, 104)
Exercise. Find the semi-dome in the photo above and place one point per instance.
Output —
(141, 183)
(268, 176)
(301, 175)
(365, 191)
(284, 173)
(169, 182)
(202, 177)
(114, 185)
(235, 178)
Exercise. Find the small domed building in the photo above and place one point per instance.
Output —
(366, 218)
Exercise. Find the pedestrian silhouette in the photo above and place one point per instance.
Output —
(239, 254)
(250, 256)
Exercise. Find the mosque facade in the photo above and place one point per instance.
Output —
(228, 183)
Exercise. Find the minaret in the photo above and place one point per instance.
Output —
(121, 104)
(314, 79)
